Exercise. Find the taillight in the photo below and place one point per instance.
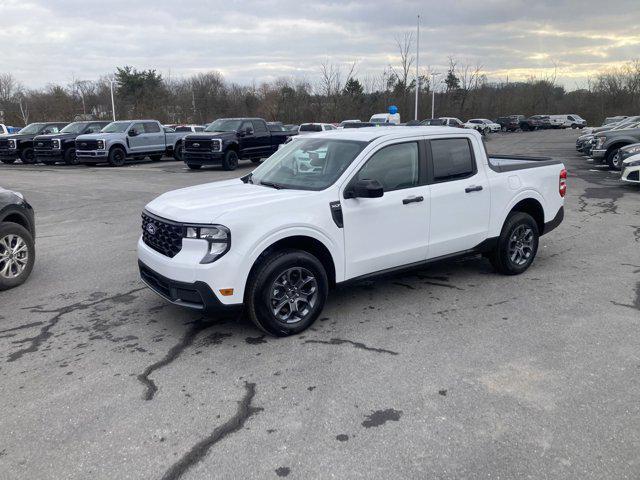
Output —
(562, 188)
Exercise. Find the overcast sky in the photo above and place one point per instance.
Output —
(55, 41)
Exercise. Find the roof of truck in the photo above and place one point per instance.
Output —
(368, 134)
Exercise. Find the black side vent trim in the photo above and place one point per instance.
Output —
(336, 213)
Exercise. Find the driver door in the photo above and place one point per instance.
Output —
(393, 230)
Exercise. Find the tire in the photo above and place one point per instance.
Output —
(505, 258)
(28, 156)
(70, 156)
(8, 161)
(503, 129)
(574, 126)
(266, 290)
(14, 271)
(230, 160)
(177, 152)
(256, 160)
(117, 157)
(194, 166)
(613, 159)
(155, 158)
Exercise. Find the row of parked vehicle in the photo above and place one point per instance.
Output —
(615, 143)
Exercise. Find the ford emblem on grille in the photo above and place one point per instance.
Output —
(196, 144)
(151, 228)
(40, 144)
(83, 144)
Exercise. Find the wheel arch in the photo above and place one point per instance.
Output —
(532, 207)
(119, 145)
(16, 216)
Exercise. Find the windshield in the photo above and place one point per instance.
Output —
(75, 127)
(32, 128)
(224, 125)
(116, 127)
(308, 163)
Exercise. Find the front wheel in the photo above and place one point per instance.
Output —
(28, 156)
(614, 160)
(17, 255)
(70, 156)
(230, 160)
(287, 292)
(117, 157)
(517, 244)
(177, 152)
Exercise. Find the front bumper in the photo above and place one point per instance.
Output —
(49, 155)
(202, 158)
(598, 153)
(631, 174)
(7, 154)
(92, 156)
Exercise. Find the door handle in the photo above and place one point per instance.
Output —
(412, 200)
(473, 188)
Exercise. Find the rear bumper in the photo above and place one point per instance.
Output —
(197, 295)
(553, 224)
(202, 158)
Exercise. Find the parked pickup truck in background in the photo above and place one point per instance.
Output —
(377, 200)
(228, 140)
(127, 139)
(20, 145)
(61, 147)
(608, 143)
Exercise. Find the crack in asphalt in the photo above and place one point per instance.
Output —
(200, 449)
(636, 303)
(362, 346)
(172, 354)
(45, 331)
(27, 325)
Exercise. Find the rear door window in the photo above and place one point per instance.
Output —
(151, 127)
(259, 127)
(452, 159)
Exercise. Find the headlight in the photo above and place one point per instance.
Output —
(599, 142)
(217, 236)
(216, 145)
(100, 144)
(55, 143)
(633, 150)
(633, 163)
(13, 144)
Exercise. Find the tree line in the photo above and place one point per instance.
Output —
(339, 93)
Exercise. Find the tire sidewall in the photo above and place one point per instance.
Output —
(70, 156)
(610, 156)
(177, 152)
(230, 161)
(260, 292)
(28, 156)
(8, 228)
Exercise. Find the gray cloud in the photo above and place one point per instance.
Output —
(50, 41)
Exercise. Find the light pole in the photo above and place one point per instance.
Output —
(433, 93)
(113, 104)
(417, 66)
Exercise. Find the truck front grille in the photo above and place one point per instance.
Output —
(163, 236)
(4, 143)
(43, 145)
(86, 144)
(195, 145)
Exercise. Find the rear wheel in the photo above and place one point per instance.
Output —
(517, 244)
(28, 156)
(117, 157)
(17, 255)
(177, 152)
(230, 160)
(194, 166)
(287, 292)
(70, 156)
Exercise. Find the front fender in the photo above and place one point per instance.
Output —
(618, 140)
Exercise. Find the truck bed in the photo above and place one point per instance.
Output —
(509, 163)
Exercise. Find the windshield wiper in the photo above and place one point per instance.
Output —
(277, 186)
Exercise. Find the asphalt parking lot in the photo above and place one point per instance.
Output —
(450, 372)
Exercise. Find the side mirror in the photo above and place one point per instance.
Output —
(133, 133)
(365, 189)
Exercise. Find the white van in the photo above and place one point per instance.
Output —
(566, 121)
(391, 118)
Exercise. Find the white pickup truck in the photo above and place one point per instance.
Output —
(340, 206)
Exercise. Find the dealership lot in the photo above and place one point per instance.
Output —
(449, 372)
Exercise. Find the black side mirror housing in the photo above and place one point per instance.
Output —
(365, 189)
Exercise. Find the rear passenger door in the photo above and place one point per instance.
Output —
(154, 137)
(460, 197)
(262, 139)
(137, 142)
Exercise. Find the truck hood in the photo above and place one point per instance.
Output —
(210, 135)
(17, 136)
(209, 202)
(99, 136)
(51, 136)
